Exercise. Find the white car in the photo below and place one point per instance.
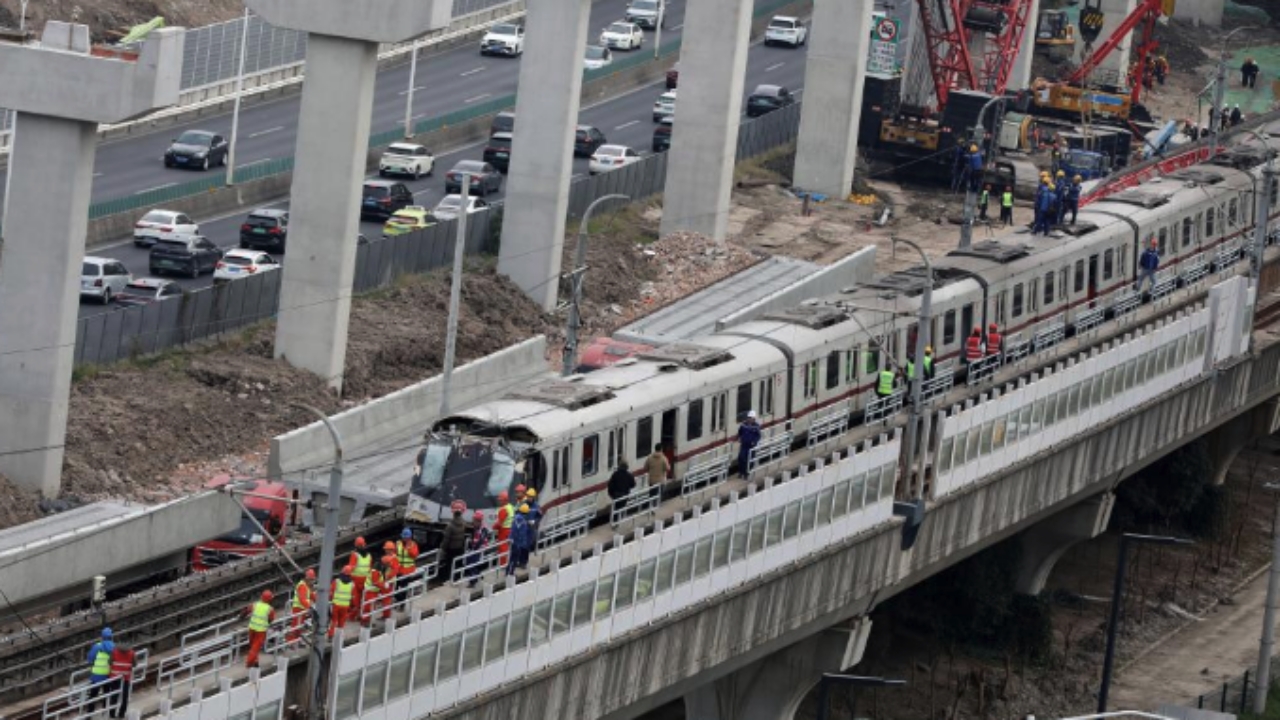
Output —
(103, 278)
(648, 14)
(159, 224)
(451, 205)
(664, 106)
(611, 157)
(503, 39)
(406, 159)
(597, 57)
(237, 264)
(785, 30)
(622, 36)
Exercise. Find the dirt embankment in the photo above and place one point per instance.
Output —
(109, 19)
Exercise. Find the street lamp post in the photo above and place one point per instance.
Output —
(970, 198)
(570, 353)
(320, 634)
(235, 110)
(413, 81)
(662, 19)
(1117, 592)
(1262, 681)
(1219, 92)
(917, 382)
(856, 680)
(455, 295)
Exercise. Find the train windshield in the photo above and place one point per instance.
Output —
(471, 471)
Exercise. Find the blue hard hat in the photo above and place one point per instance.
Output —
(406, 533)
(106, 632)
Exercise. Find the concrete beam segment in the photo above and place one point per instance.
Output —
(377, 21)
(542, 156)
(41, 80)
(705, 141)
(827, 149)
(1046, 542)
(61, 97)
(1200, 12)
(773, 687)
(1021, 76)
(1116, 65)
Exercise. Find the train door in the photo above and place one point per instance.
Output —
(1093, 276)
(670, 422)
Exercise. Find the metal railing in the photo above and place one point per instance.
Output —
(705, 470)
(944, 378)
(1226, 257)
(1016, 348)
(1125, 301)
(564, 528)
(770, 449)
(639, 502)
(84, 701)
(883, 407)
(1194, 269)
(474, 564)
(1091, 318)
(980, 370)
(1164, 285)
(833, 424)
(140, 658)
(1049, 333)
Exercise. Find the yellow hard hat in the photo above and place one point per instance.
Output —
(1044, 174)
(973, 148)
(1062, 173)
(1077, 178)
(928, 350)
(531, 493)
(524, 508)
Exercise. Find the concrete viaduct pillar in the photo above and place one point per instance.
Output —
(833, 79)
(542, 156)
(773, 687)
(61, 94)
(1021, 76)
(1225, 442)
(1116, 65)
(1046, 542)
(333, 144)
(704, 143)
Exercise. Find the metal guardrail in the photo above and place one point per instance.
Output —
(639, 502)
(1087, 320)
(475, 564)
(1194, 270)
(771, 449)
(1016, 348)
(1049, 333)
(983, 369)
(1225, 258)
(141, 656)
(83, 702)
(713, 468)
(1163, 286)
(1125, 302)
(564, 528)
(944, 378)
(884, 407)
(831, 425)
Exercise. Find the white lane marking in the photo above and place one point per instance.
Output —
(797, 91)
(415, 117)
(97, 175)
(472, 72)
(626, 125)
(268, 131)
(158, 187)
(677, 27)
(415, 89)
(423, 191)
(773, 67)
(255, 162)
(477, 98)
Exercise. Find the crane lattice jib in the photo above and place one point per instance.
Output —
(998, 61)
(1148, 11)
(949, 61)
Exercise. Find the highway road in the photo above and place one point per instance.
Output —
(445, 82)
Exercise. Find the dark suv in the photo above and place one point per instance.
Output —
(381, 199)
(498, 152)
(265, 229)
(586, 140)
(503, 122)
(662, 134)
(768, 98)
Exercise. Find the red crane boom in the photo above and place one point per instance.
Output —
(948, 27)
(1146, 13)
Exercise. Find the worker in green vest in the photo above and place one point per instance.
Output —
(100, 666)
(1006, 207)
(884, 388)
(928, 363)
(260, 616)
(983, 201)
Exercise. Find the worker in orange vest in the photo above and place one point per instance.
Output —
(502, 526)
(261, 615)
(361, 562)
(375, 590)
(342, 591)
(390, 569)
(973, 350)
(993, 339)
(303, 599)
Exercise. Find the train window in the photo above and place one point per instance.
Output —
(1000, 307)
(718, 403)
(590, 455)
(1048, 289)
(1017, 300)
(644, 436)
(1062, 285)
(1107, 264)
(871, 359)
(1186, 232)
(1079, 283)
(851, 367)
(744, 401)
(693, 426)
(966, 319)
(833, 369)
(949, 327)
(1233, 211)
(766, 396)
(618, 446)
(1164, 241)
(1275, 192)
(1033, 295)
(811, 379)
(1208, 223)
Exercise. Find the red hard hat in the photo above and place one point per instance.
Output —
(311, 574)
(359, 542)
(349, 569)
(458, 506)
(520, 490)
(502, 496)
(478, 517)
(388, 545)
(267, 595)
(993, 327)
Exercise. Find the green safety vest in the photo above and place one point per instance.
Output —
(101, 664)
(986, 196)
(261, 617)
(509, 517)
(928, 365)
(364, 564)
(1006, 200)
(885, 387)
(911, 369)
(342, 594)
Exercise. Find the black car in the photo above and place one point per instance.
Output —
(768, 98)
(503, 122)
(485, 178)
(498, 152)
(662, 134)
(382, 198)
(586, 139)
(190, 255)
(197, 149)
(265, 229)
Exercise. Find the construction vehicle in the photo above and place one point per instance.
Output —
(268, 503)
(1088, 164)
(1055, 31)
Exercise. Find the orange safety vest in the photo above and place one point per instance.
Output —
(973, 348)
(993, 343)
(301, 596)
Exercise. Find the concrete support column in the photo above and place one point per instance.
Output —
(1045, 543)
(61, 94)
(1021, 76)
(1115, 65)
(833, 79)
(773, 687)
(1226, 442)
(542, 153)
(332, 147)
(704, 143)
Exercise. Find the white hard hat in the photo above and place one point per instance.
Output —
(751, 414)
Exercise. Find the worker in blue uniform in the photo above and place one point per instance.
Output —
(975, 168)
(1044, 208)
(1072, 201)
(1060, 197)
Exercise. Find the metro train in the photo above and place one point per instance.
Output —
(565, 436)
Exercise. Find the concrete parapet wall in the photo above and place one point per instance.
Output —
(45, 566)
(858, 267)
(845, 581)
(412, 408)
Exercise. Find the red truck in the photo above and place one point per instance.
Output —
(269, 505)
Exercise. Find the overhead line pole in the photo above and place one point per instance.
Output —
(455, 296)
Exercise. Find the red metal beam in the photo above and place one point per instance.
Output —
(949, 61)
(1000, 56)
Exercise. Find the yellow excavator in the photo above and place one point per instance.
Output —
(1054, 29)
